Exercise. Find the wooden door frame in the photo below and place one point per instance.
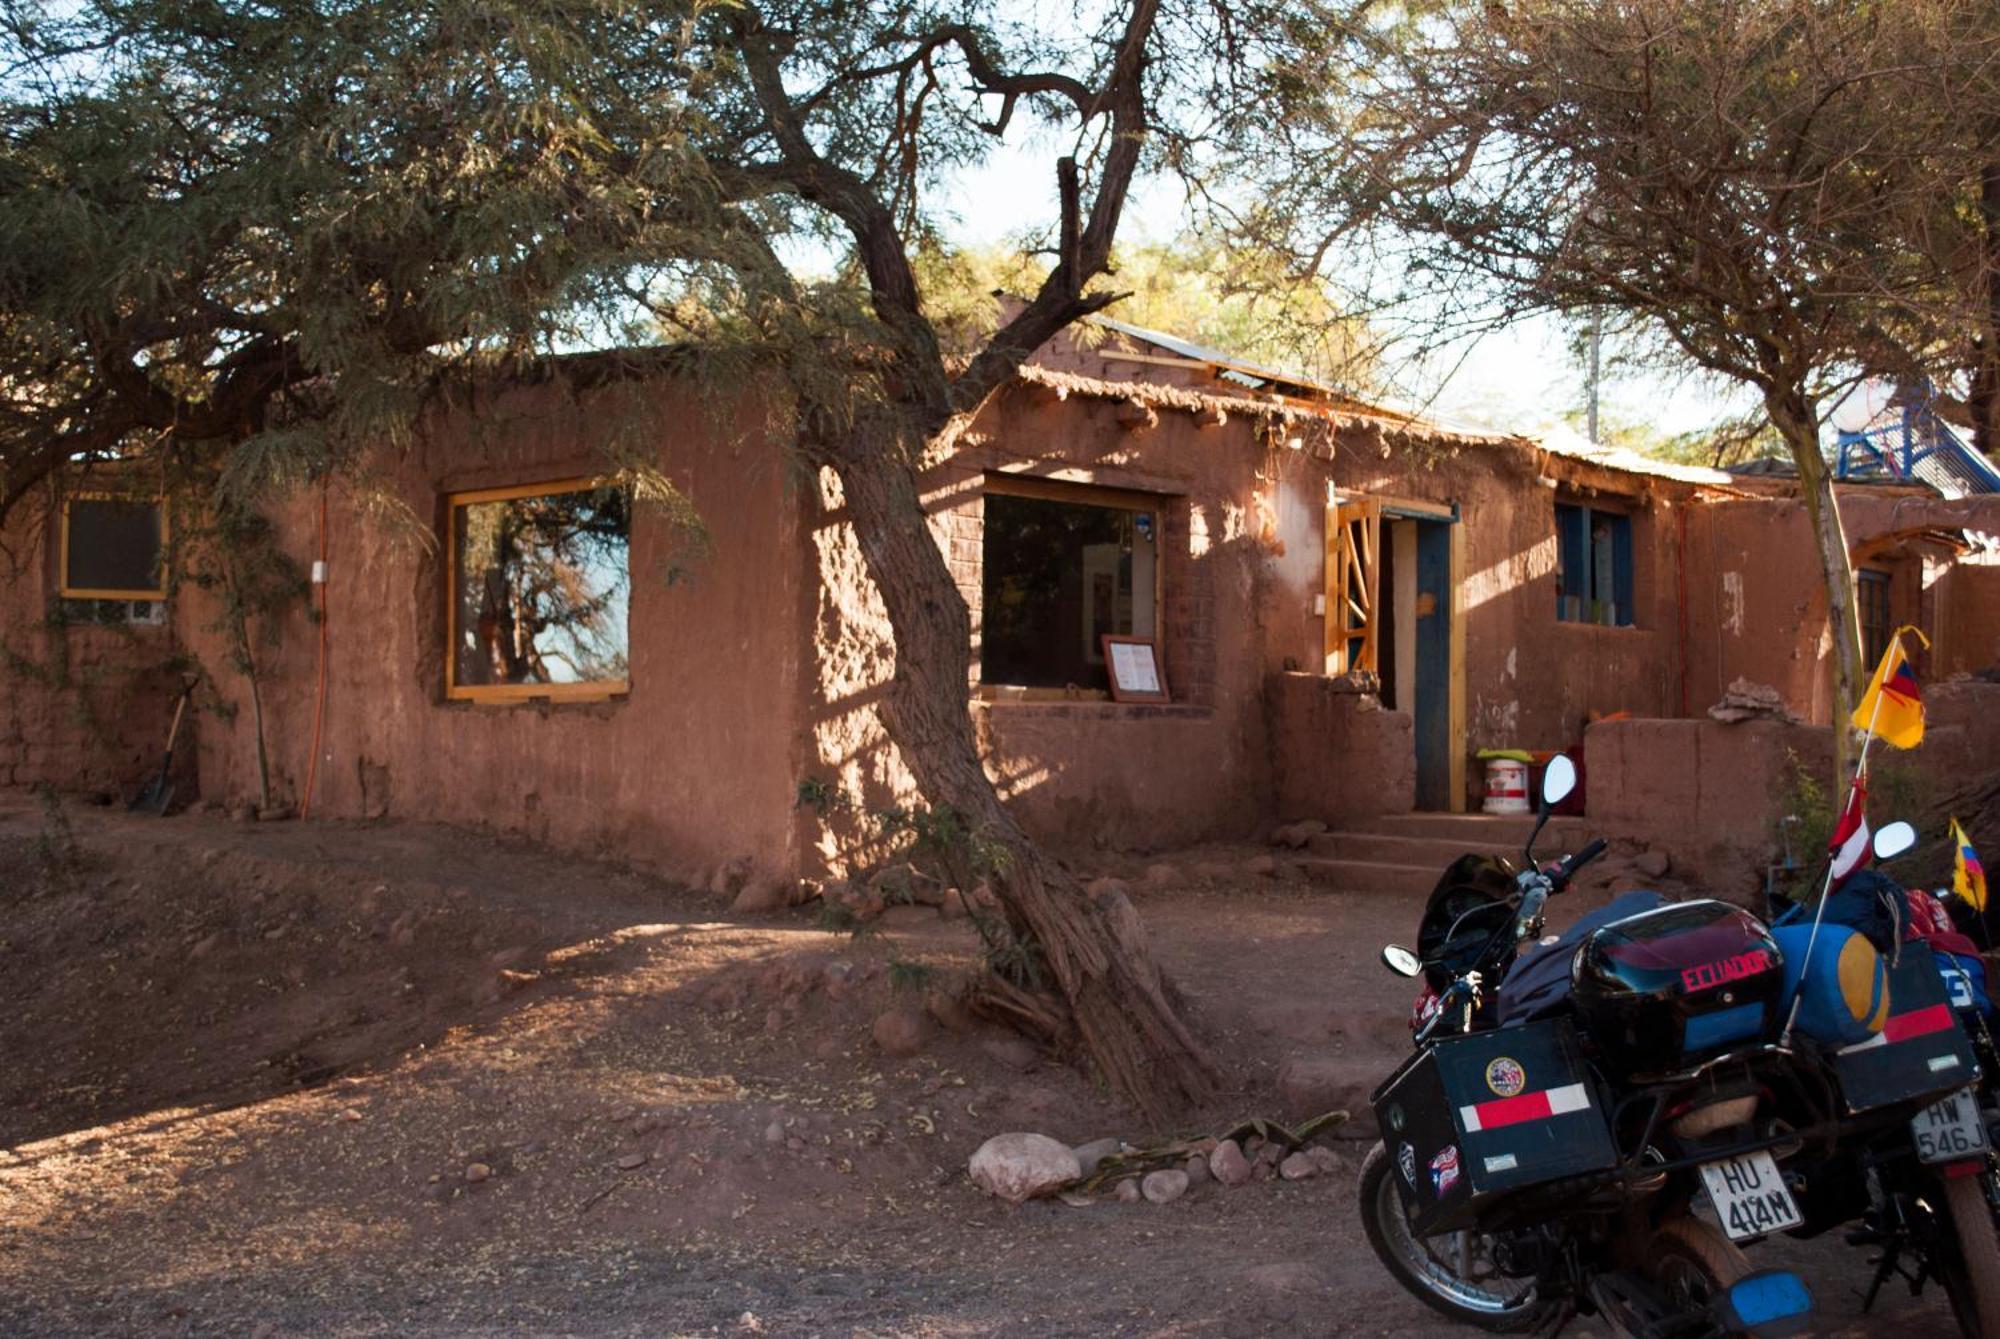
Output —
(1336, 634)
(1353, 584)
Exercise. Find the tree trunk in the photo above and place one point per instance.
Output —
(1792, 414)
(1124, 1010)
(1984, 398)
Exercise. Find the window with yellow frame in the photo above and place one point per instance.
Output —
(540, 586)
(114, 547)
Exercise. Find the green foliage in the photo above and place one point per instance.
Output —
(906, 976)
(1805, 824)
(1247, 304)
(820, 795)
(939, 839)
(264, 238)
(232, 553)
(1897, 789)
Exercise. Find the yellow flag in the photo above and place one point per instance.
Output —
(1968, 876)
(1893, 707)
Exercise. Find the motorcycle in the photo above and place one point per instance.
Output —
(1597, 1122)
(1934, 1192)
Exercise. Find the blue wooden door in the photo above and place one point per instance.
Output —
(1432, 709)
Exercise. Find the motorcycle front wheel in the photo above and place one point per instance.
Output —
(1453, 1272)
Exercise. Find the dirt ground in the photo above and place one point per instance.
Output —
(390, 1079)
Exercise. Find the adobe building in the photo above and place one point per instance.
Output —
(1336, 607)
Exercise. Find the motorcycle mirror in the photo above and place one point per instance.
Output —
(1558, 780)
(1401, 961)
(1894, 839)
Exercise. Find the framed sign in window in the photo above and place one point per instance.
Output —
(1133, 664)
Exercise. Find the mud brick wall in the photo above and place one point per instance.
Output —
(1338, 754)
(1707, 792)
(83, 706)
(692, 770)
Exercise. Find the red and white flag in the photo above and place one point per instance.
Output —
(1849, 845)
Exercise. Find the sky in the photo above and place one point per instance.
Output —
(1520, 379)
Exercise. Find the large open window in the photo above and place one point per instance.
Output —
(1595, 579)
(541, 583)
(1064, 567)
(113, 548)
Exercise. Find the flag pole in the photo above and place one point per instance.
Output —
(1819, 912)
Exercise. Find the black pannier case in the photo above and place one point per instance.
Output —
(1474, 1118)
(1922, 1050)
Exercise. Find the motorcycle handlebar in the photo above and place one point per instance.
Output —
(1572, 864)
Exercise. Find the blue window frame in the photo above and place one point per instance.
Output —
(1594, 574)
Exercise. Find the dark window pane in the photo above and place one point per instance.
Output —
(1594, 566)
(1057, 577)
(542, 587)
(114, 547)
(1872, 595)
(1573, 572)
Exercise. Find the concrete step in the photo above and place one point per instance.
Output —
(1395, 848)
(1368, 876)
(1471, 830)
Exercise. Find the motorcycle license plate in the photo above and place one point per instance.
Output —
(1749, 1196)
(1950, 1128)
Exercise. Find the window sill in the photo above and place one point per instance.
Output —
(1101, 709)
(1600, 627)
(534, 695)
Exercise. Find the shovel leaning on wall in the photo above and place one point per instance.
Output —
(160, 794)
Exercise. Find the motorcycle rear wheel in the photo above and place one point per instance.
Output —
(1433, 1269)
(1972, 1282)
(1692, 1261)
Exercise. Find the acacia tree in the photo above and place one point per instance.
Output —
(1740, 176)
(262, 235)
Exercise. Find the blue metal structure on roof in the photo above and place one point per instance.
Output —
(1919, 447)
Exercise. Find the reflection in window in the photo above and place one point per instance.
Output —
(541, 583)
(1058, 577)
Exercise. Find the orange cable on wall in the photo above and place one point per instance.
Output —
(320, 576)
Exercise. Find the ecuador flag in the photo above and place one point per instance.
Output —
(1893, 707)
(1968, 876)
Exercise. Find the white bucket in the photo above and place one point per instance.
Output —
(1506, 787)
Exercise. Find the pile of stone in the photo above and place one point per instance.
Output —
(1746, 701)
(1020, 1167)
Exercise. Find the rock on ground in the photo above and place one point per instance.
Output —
(901, 1032)
(1298, 1167)
(1016, 1053)
(765, 893)
(1164, 1187)
(1089, 1155)
(1228, 1164)
(1018, 1167)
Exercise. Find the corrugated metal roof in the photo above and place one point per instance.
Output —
(1564, 442)
(1573, 445)
(1229, 367)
